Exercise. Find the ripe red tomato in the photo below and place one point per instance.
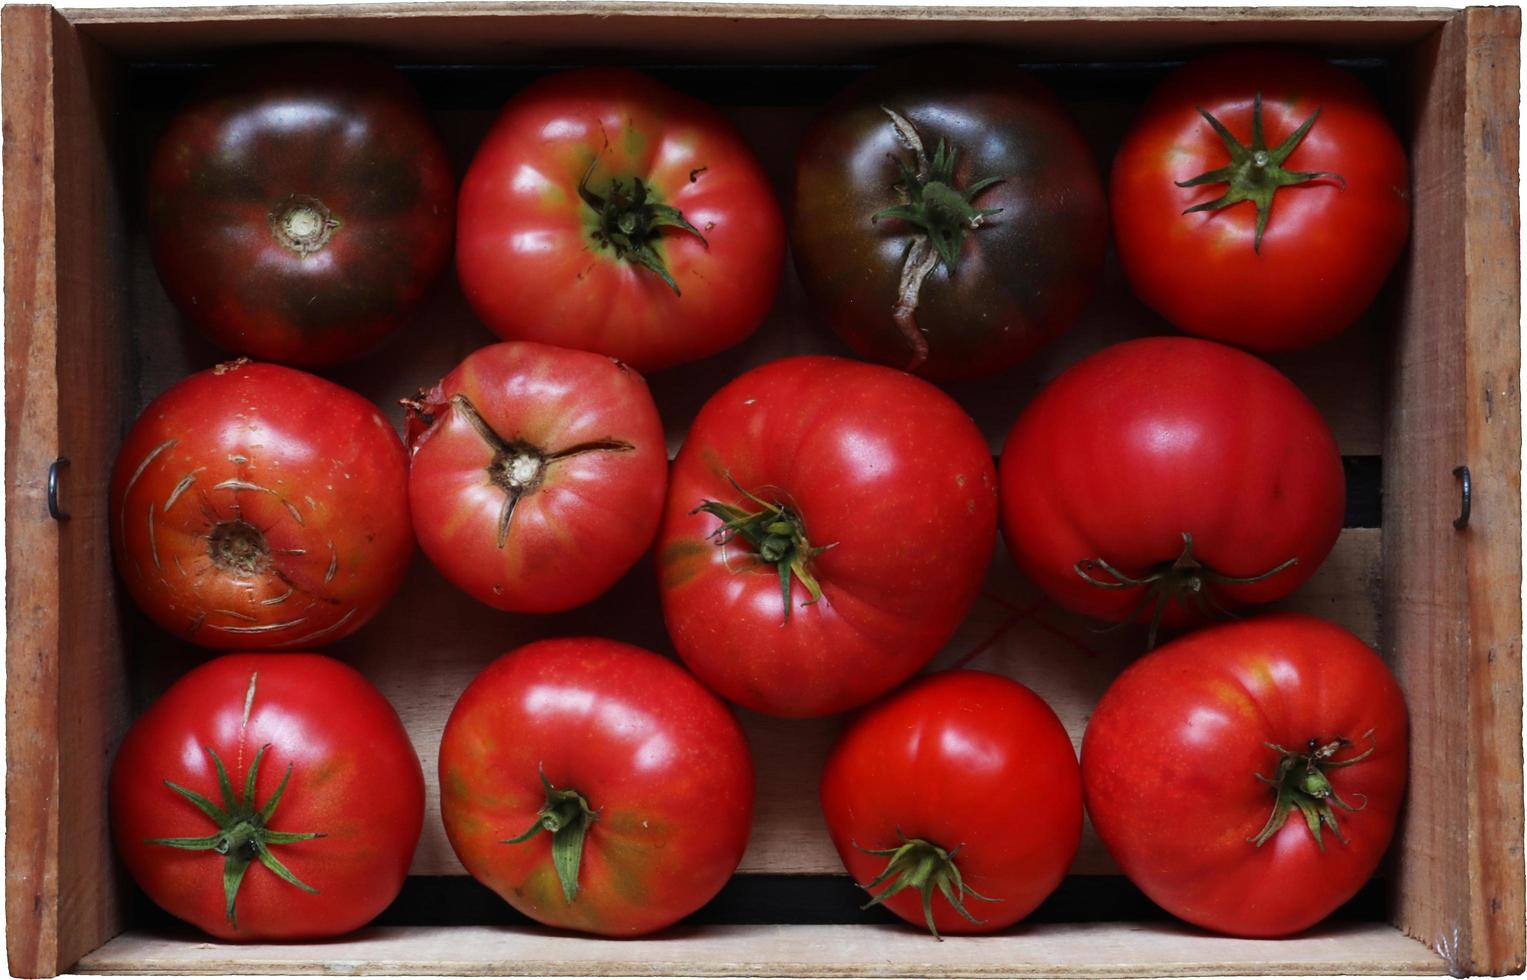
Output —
(607, 212)
(537, 474)
(948, 217)
(270, 797)
(1164, 478)
(258, 506)
(964, 784)
(595, 786)
(1261, 235)
(1247, 777)
(300, 206)
(828, 526)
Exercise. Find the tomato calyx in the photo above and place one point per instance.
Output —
(567, 816)
(630, 223)
(1300, 781)
(925, 866)
(303, 224)
(776, 534)
(243, 835)
(1184, 580)
(1255, 173)
(942, 214)
(239, 547)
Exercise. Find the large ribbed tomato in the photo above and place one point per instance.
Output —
(1247, 777)
(828, 526)
(260, 506)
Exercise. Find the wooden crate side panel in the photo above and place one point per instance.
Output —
(32, 540)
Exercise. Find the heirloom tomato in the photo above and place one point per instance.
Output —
(1164, 478)
(607, 212)
(537, 474)
(259, 506)
(1247, 776)
(964, 784)
(948, 217)
(595, 786)
(269, 797)
(828, 526)
(1260, 199)
(300, 206)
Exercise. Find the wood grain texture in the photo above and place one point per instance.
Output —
(1061, 951)
(1451, 611)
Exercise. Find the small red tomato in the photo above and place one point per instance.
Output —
(259, 506)
(537, 474)
(1166, 478)
(1260, 199)
(269, 797)
(1248, 776)
(607, 212)
(962, 785)
(300, 206)
(595, 786)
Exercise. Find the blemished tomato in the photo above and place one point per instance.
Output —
(1247, 777)
(948, 216)
(1276, 233)
(537, 474)
(1163, 479)
(254, 505)
(608, 212)
(828, 526)
(956, 801)
(269, 797)
(595, 786)
(300, 206)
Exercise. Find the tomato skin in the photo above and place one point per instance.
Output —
(1144, 441)
(287, 127)
(662, 762)
(1181, 734)
(1023, 277)
(525, 251)
(354, 777)
(305, 475)
(1327, 247)
(967, 760)
(884, 470)
(583, 520)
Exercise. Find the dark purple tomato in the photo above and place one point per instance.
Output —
(301, 205)
(949, 219)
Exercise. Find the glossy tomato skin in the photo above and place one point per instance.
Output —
(962, 759)
(327, 145)
(354, 778)
(254, 505)
(1145, 441)
(884, 471)
(1171, 754)
(1023, 276)
(1328, 244)
(583, 505)
(662, 763)
(527, 252)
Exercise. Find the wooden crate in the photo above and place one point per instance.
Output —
(1427, 382)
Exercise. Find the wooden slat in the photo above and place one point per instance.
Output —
(1452, 613)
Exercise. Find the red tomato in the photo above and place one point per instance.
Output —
(607, 212)
(963, 784)
(1247, 777)
(300, 206)
(271, 797)
(537, 474)
(1272, 244)
(828, 525)
(1164, 478)
(595, 786)
(255, 505)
